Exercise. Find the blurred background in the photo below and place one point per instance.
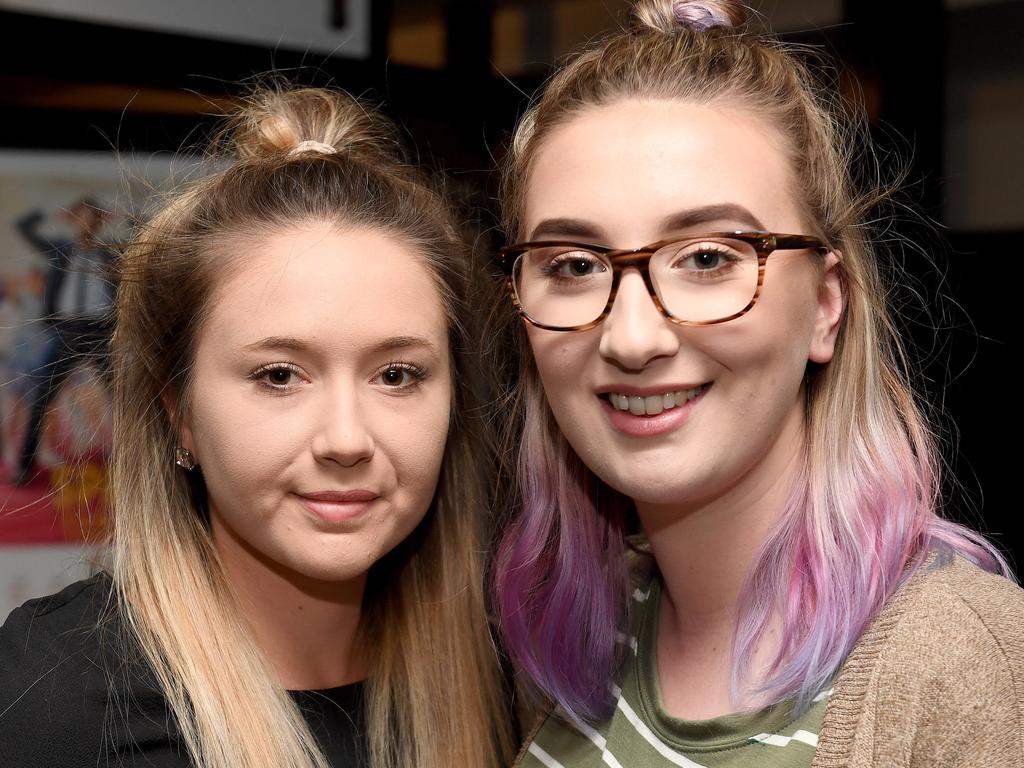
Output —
(103, 102)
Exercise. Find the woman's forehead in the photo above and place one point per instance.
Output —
(317, 282)
(635, 165)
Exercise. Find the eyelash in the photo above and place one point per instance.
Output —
(259, 374)
(419, 375)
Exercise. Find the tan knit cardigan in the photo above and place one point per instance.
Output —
(936, 680)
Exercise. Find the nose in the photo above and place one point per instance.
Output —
(343, 435)
(635, 332)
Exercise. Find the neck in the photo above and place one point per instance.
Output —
(305, 627)
(704, 551)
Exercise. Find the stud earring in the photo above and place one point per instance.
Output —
(183, 458)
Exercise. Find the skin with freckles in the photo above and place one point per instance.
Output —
(318, 416)
(708, 490)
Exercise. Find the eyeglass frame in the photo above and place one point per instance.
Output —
(620, 259)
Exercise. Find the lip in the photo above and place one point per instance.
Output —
(335, 507)
(650, 426)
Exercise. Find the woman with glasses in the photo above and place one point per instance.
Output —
(296, 571)
(706, 355)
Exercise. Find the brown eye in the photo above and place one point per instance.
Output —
(280, 376)
(394, 377)
(575, 265)
(401, 376)
(579, 267)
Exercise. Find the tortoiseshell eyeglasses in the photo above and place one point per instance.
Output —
(693, 280)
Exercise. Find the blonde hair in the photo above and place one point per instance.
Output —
(433, 695)
(862, 513)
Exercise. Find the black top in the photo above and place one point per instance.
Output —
(74, 691)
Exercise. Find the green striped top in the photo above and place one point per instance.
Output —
(640, 734)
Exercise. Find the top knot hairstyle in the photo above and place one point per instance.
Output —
(286, 158)
(699, 15)
(287, 122)
(863, 512)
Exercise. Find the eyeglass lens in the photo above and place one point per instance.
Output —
(696, 280)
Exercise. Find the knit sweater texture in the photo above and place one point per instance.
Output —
(936, 680)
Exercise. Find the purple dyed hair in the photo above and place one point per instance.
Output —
(560, 572)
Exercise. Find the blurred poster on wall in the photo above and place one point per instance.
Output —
(62, 218)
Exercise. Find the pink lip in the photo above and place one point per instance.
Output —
(337, 506)
(649, 426)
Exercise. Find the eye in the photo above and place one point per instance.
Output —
(578, 266)
(710, 257)
(574, 264)
(706, 258)
(278, 376)
(401, 376)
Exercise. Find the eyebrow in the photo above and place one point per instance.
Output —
(405, 342)
(708, 213)
(385, 345)
(569, 227)
(277, 342)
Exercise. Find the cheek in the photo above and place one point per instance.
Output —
(763, 358)
(252, 447)
(415, 441)
(245, 443)
(560, 358)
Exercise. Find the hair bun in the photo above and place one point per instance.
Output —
(276, 122)
(698, 15)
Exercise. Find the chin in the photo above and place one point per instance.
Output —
(641, 486)
(330, 569)
(656, 481)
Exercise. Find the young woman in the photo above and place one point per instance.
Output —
(704, 340)
(295, 575)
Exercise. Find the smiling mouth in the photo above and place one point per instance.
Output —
(652, 405)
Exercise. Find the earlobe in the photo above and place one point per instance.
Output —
(831, 304)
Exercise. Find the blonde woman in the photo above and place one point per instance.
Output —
(705, 342)
(295, 575)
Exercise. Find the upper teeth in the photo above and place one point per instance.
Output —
(652, 405)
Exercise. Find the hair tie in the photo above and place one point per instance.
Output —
(699, 15)
(312, 146)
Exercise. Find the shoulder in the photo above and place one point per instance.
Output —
(66, 618)
(938, 674)
(51, 677)
(953, 615)
(47, 624)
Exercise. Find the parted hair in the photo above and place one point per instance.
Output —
(433, 693)
(864, 510)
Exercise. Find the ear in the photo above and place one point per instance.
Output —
(831, 303)
(170, 399)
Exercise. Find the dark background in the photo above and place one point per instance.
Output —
(943, 84)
